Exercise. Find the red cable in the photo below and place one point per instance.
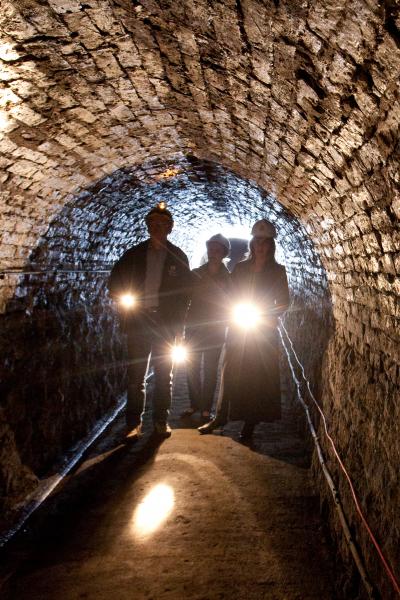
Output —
(386, 565)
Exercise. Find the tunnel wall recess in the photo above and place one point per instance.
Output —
(301, 99)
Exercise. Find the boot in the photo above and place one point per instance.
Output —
(247, 432)
(210, 426)
(162, 429)
(132, 434)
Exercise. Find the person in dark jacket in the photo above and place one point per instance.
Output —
(151, 283)
(250, 389)
(206, 326)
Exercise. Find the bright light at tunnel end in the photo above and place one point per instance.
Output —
(240, 231)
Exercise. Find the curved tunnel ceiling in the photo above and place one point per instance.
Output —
(104, 221)
(301, 98)
(108, 217)
(288, 108)
(296, 96)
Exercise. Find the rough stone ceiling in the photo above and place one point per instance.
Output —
(297, 96)
(98, 226)
(108, 217)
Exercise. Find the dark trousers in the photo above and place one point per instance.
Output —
(149, 339)
(202, 388)
(231, 375)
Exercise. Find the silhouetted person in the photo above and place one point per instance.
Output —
(206, 325)
(250, 387)
(150, 282)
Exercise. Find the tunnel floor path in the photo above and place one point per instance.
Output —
(200, 517)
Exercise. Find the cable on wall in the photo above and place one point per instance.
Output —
(333, 489)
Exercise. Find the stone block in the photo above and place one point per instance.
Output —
(104, 20)
(387, 54)
(26, 115)
(83, 114)
(397, 263)
(128, 54)
(65, 6)
(169, 47)
(261, 66)
(187, 42)
(107, 63)
(79, 23)
(350, 38)
(371, 243)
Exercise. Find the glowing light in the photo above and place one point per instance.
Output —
(127, 300)
(154, 509)
(162, 205)
(246, 315)
(168, 173)
(179, 354)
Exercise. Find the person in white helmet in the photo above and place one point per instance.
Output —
(250, 389)
(206, 326)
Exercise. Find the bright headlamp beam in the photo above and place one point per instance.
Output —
(246, 315)
(127, 300)
(179, 354)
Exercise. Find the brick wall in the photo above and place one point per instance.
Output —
(301, 99)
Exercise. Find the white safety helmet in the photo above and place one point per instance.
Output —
(220, 239)
(263, 229)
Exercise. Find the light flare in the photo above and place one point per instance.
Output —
(246, 315)
(179, 354)
(127, 300)
(154, 509)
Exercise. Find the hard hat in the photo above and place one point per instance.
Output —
(160, 209)
(263, 229)
(220, 239)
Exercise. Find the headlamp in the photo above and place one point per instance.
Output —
(179, 354)
(246, 315)
(127, 300)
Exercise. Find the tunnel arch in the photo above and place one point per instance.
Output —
(62, 293)
(76, 369)
(301, 99)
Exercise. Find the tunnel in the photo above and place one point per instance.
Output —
(229, 112)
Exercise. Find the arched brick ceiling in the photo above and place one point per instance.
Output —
(103, 221)
(203, 196)
(301, 98)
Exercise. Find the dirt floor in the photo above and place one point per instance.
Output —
(200, 517)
